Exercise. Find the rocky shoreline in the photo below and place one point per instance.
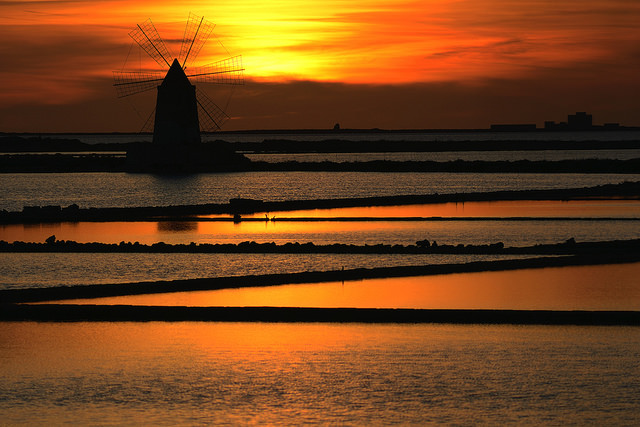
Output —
(569, 247)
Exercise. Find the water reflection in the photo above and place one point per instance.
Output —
(603, 287)
(262, 227)
(37, 270)
(448, 156)
(510, 232)
(177, 226)
(496, 209)
(159, 373)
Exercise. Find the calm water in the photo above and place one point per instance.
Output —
(34, 270)
(449, 156)
(50, 269)
(291, 374)
(159, 373)
(510, 232)
(122, 189)
(600, 287)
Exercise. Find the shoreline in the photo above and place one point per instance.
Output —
(569, 247)
(130, 313)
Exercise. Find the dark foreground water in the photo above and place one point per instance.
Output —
(291, 374)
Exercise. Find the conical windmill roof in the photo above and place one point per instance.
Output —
(175, 76)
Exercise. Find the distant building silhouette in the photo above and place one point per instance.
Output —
(578, 121)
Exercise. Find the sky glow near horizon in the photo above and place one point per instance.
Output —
(57, 51)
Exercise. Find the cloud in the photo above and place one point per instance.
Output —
(319, 105)
(374, 63)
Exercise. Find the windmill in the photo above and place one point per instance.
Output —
(182, 110)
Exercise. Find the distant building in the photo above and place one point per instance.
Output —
(577, 121)
(580, 121)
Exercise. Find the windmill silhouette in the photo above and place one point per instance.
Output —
(182, 110)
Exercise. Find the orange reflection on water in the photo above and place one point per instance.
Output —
(184, 231)
(84, 232)
(284, 227)
(602, 287)
(515, 208)
(274, 224)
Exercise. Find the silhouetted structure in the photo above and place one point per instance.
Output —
(176, 120)
(181, 110)
(578, 121)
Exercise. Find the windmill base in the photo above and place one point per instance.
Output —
(196, 158)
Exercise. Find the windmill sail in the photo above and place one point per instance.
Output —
(180, 108)
(227, 71)
(196, 33)
(147, 37)
(132, 82)
(210, 115)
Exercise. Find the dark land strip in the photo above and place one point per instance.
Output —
(49, 155)
(569, 247)
(276, 279)
(240, 206)
(343, 145)
(75, 163)
(129, 313)
(331, 144)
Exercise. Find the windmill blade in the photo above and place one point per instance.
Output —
(147, 37)
(132, 82)
(228, 71)
(196, 34)
(210, 116)
(149, 123)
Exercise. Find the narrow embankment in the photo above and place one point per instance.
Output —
(102, 313)
(216, 283)
(241, 206)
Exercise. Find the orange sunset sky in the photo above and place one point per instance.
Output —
(309, 64)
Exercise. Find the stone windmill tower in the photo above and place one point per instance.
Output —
(182, 110)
